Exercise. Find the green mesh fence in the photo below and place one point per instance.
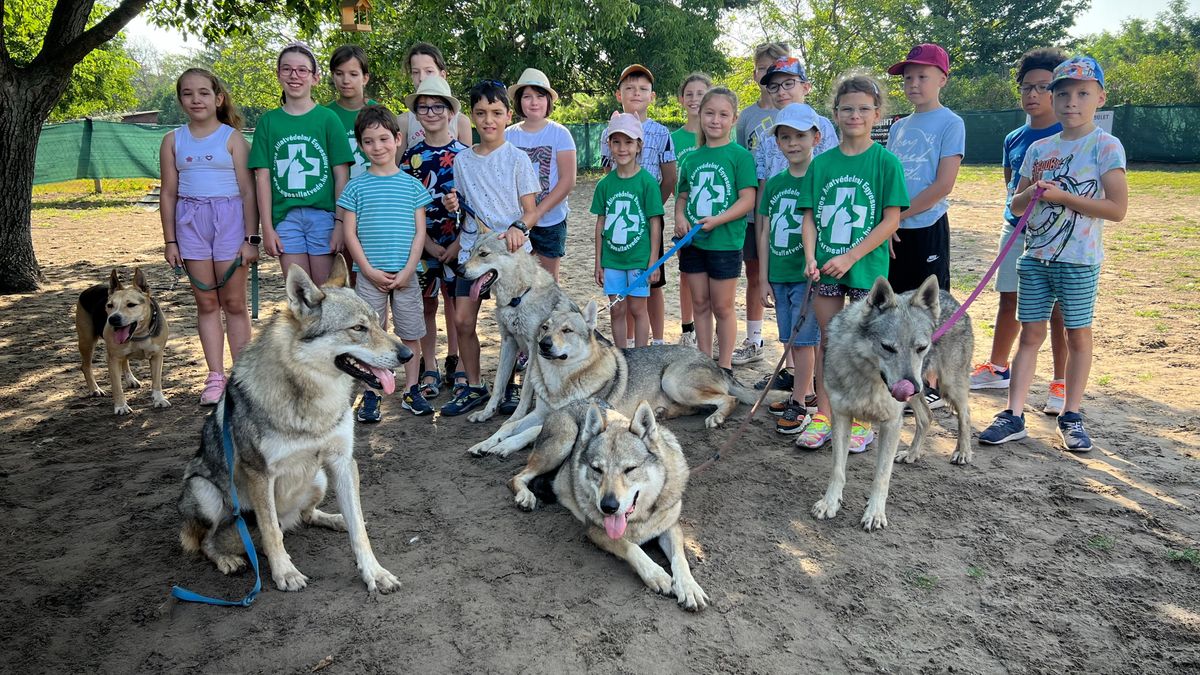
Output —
(92, 149)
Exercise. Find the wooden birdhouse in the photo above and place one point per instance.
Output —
(355, 15)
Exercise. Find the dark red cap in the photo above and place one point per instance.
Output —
(925, 55)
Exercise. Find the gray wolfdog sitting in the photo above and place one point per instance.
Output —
(525, 295)
(624, 478)
(876, 352)
(577, 363)
(288, 403)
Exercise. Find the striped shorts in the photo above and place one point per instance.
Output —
(1041, 283)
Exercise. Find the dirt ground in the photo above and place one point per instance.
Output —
(1028, 560)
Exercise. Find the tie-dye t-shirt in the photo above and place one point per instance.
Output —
(1054, 231)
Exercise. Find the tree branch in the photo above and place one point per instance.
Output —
(72, 52)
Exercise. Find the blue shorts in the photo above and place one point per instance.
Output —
(549, 241)
(305, 229)
(616, 281)
(789, 297)
(718, 265)
(1042, 283)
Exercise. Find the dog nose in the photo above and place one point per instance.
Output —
(546, 344)
(609, 504)
(405, 354)
(114, 320)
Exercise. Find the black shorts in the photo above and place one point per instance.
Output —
(549, 241)
(462, 289)
(718, 265)
(920, 253)
(750, 248)
(666, 246)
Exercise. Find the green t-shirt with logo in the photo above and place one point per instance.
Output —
(780, 203)
(627, 205)
(712, 177)
(684, 142)
(847, 196)
(348, 117)
(300, 152)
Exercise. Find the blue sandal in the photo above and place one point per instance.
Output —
(431, 389)
(459, 375)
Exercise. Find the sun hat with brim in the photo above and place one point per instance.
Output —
(624, 123)
(432, 85)
(1082, 68)
(532, 77)
(798, 116)
(927, 54)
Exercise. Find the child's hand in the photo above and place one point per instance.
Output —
(598, 275)
(336, 241)
(681, 227)
(515, 238)
(400, 280)
(381, 280)
(1053, 193)
(895, 239)
(811, 271)
(655, 276)
(450, 255)
(174, 259)
(435, 251)
(450, 200)
(838, 266)
(767, 296)
(707, 225)
(271, 243)
(249, 252)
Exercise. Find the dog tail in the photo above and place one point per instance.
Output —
(741, 392)
(542, 486)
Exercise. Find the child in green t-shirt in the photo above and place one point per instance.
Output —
(629, 210)
(691, 92)
(350, 74)
(781, 268)
(716, 190)
(851, 211)
(301, 158)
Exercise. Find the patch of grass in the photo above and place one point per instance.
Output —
(80, 194)
(1145, 377)
(1104, 380)
(1162, 327)
(1172, 181)
(1187, 555)
(965, 283)
(1101, 542)
(1148, 313)
(975, 572)
(925, 582)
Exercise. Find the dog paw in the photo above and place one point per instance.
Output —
(122, 409)
(961, 457)
(481, 415)
(907, 456)
(229, 564)
(824, 509)
(874, 518)
(714, 420)
(132, 382)
(689, 594)
(289, 579)
(526, 500)
(381, 581)
(659, 581)
(482, 448)
(97, 393)
(160, 401)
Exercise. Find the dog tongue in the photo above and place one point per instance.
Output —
(903, 390)
(386, 377)
(614, 525)
(478, 285)
(121, 335)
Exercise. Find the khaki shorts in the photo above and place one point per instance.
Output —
(408, 313)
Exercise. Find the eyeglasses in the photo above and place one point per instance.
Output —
(435, 109)
(786, 85)
(1027, 89)
(302, 71)
(862, 110)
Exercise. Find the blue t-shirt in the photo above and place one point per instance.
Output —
(921, 141)
(1016, 144)
(384, 208)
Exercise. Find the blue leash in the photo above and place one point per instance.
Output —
(641, 278)
(191, 596)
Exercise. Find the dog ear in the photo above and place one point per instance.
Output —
(644, 424)
(338, 275)
(928, 296)
(593, 423)
(139, 281)
(114, 282)
(303, 295)
(590, 314)
(881, 296)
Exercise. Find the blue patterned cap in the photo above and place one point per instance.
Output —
(1078, 68)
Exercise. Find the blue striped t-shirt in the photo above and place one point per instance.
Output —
(384, 208)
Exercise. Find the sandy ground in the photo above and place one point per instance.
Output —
(1028, 560)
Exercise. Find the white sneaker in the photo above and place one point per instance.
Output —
(749, 352)
(688, 339)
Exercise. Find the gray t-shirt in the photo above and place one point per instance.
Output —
(752, 124)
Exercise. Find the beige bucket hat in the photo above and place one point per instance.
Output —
(532, 77)
(432, 85)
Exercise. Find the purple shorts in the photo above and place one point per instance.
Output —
(209, 228)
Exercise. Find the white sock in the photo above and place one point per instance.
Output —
(658, 342)
(754, 332)
(629, 343)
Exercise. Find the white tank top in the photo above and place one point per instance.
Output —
(416, 133)
(204, 164)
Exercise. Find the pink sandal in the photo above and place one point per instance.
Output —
(214, 387)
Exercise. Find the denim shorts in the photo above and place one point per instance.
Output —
(549, 241)
(616, 281)
(789, 297)
(305, 229)
(1044, 282)
(718, 265)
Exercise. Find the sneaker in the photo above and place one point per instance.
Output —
(214, 386)
(779, 407)
(1004, 428)
(522, 362)
(451, 367)
(512, 398)
(749, 352)
(784, 381)
(933, 398)
(815, 434)
(688, 339)
(861, 436)
(1070, 430)
(367, 411)
(1056, 399)
(793, 419)
(414, 401)
(990, 376)
(465, 399)
(431, 384)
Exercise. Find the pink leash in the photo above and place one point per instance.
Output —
(1012, 240)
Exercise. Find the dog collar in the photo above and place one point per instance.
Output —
(517, 300)
(155, 323)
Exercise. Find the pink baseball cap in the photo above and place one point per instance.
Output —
(927, 54)
(624, 123)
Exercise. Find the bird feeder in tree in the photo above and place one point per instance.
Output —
(355, 15)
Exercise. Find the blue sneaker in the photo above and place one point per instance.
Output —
(1070, 429)
(414, 401)
(512, 398)
(368, 408)
(465, 399)
(1004, 428)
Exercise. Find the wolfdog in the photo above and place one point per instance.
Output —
(624, 478)
(288, 405)
(577, 363)
(876, 353)
(525, 295)
(133, 327)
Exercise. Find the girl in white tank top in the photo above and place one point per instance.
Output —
(424, 60)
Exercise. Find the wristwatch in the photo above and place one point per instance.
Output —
(254, 239)
(520, 226)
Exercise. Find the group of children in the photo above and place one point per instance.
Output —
(816, 211)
